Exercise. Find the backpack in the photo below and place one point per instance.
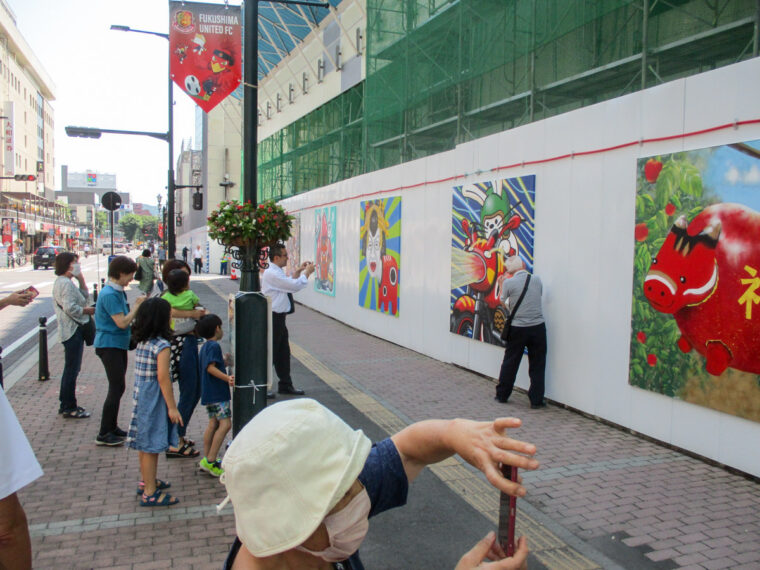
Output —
(139, 272)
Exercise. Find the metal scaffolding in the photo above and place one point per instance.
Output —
(444, 72)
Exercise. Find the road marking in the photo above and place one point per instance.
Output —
(11, 287)
(15, 344)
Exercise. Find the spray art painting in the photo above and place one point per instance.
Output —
(324, 250)
(293, 246)
(380, 255)
(490, 221)
(696, 283)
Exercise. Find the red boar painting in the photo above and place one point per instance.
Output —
(696, 299)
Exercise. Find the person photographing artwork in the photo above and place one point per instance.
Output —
(280, 288)
(304, 484)
(521, 295)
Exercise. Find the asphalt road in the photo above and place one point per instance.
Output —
(17, 322)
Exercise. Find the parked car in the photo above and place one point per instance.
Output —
(45, 256)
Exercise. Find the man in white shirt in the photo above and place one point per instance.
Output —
(279, 287)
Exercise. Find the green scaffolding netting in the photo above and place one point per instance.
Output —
(443, 72)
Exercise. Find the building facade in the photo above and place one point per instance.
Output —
(29, 213)
(27, 91)
(556, 117)
(83, 191)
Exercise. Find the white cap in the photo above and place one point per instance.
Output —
(286, 469)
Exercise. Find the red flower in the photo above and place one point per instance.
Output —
(239, 207)
(651, 360)
(641, 232)
(652, 170)
(641, 337)
(670, 209)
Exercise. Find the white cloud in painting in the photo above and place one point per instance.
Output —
(732, 175)
(752, 176)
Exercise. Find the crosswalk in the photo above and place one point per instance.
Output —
(11, 287)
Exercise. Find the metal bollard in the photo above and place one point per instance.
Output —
(43, 366)
(102, 283)
(95, 292)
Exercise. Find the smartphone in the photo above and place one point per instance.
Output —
(507, 513)
(31, 289)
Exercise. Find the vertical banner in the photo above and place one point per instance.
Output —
(7, 231)
(205, 50)
(324, 250)
(380, 255)
(490, 221)
(9, 157)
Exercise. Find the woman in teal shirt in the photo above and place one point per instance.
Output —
(113, 319)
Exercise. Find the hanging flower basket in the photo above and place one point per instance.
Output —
(242, 225)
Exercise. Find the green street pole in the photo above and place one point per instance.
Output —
(253, 310)
(252, 321)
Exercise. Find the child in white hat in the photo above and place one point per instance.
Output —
(304, 484)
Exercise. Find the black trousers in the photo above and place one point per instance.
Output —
(115, 362)
(534, 339)
(198, 264)
(281, 350)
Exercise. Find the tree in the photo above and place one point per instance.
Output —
(139, 228)
(130, 225)
(101, 221)
(150, 227)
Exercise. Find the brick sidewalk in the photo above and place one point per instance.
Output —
(626, 497)
(605, 486)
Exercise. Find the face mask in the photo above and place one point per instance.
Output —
(76, 271)
(346, 529)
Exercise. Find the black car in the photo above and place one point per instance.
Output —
(45, 256)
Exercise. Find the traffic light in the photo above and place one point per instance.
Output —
(25, 177)
(197, 201)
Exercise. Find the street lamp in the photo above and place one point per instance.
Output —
(169, 138)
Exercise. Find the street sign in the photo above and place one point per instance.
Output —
(111, 201)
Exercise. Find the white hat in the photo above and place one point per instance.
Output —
(286, 469)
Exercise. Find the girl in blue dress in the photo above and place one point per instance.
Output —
(152, 428)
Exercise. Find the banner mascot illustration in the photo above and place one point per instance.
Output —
(491, 221)
(380, 238)
(324, 274)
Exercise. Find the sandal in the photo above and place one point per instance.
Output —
(158, 499)
(185, 451)
(160, 486)
(77, 413)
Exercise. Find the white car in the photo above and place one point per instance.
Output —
(118, 249)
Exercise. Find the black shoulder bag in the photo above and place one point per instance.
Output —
(513, 312)
(88, 329)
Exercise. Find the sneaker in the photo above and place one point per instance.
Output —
(118, 432)
(109, 439)
(214, 469)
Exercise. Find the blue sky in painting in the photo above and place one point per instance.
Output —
(734, 176)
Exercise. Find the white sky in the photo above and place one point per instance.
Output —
(109, 79)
